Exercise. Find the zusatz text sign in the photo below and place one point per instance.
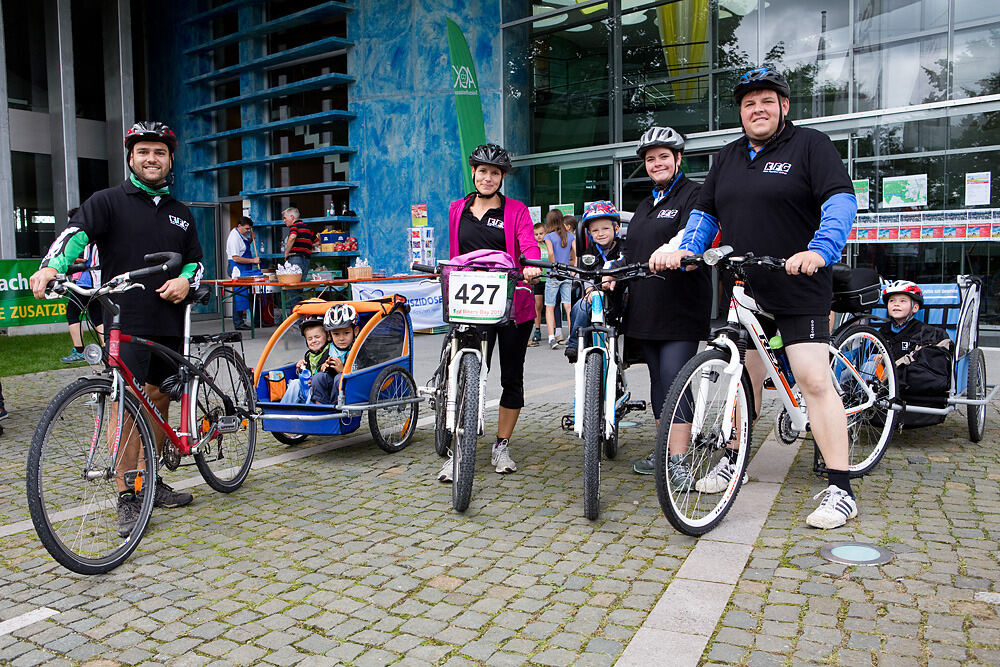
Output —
(17, 306)
(477, 297)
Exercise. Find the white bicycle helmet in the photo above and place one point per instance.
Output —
(660, 136)
(340, 316)
(910, 289)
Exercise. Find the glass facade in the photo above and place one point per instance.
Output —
(897, 84)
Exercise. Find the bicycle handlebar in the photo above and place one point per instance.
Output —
(625, 272)
(165, 263)
(512, 272)
(722, 256)
(423, 268)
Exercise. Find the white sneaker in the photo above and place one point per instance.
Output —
(445, 475)
(717, 480)
(501, 459)
(834, 510)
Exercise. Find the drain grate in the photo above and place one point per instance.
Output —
(856, 553)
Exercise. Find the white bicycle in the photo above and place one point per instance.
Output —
(709, 411)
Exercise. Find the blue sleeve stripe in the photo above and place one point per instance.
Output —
(699, 232)
(836, 218)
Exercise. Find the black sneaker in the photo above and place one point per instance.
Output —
(167, 497)
(644, 466)
(128, 514)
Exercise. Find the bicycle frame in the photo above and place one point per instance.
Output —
(604, 343)
(458, 350)
(743, 321)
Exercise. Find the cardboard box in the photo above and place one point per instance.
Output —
(359, 272)
(332, 237)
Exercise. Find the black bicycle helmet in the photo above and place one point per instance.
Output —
(761, 78)
(491, 154)
(308, 321)
(150, 130)
(660, 136)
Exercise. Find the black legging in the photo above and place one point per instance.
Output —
(513, 346)
(664, 359)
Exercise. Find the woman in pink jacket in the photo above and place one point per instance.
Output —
(485, 219)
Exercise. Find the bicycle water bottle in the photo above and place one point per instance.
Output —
(778, 348)
(304, 376)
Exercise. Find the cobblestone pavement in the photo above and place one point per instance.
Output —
(352, 556)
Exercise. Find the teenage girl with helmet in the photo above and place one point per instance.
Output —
(127, 222)
(664, 319)
(783, 191)
(486, 219)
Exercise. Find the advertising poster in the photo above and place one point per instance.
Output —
(977, 231)
(909, 232)
(567, 209)
(535, 212)
(17, 305)
(952, 232)
(418, 215)
(932, 232)
(861, 188)
(902, 191)
(867, 233)
(886, 234)
(977, 188)
(995, 234)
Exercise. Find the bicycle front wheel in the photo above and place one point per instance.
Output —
(702, 444)
(870, 429)
(72, 479)
(466, 432)
(592, 427)
(224, 420)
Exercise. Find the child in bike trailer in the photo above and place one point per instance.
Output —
(601, 219)
(921, 352)
(328, 339)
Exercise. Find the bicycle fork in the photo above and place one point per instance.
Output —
(457, 354)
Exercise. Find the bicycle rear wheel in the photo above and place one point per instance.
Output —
(392, 427)
(699, 487)
(466, 432)
(592, 427)
(868, 430)
(976, 390)
(72, 480)
(224, 459)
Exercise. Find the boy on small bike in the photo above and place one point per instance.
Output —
(601, 219)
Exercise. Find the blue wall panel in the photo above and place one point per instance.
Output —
(406, 131)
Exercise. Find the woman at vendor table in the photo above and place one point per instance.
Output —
(243, 263)
(487, 220)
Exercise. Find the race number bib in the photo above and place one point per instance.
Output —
(477, 297)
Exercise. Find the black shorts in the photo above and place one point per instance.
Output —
(149, 367)
(95, 313)
(799, 328)
(538, 289)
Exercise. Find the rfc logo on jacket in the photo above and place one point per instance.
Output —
(777, 167)
(174, 220)
(667, 213)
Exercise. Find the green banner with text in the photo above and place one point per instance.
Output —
(17, 306)
(468, 106)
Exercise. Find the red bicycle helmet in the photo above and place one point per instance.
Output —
(906, 287)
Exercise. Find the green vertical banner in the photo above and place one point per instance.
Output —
(468, 107)
(17, 305)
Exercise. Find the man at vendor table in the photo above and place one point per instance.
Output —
(243, 263)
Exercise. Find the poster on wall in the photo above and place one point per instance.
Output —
(535, 213)
(567, 209)
(901, 191)
(861, 187)
(17, 305)
(977, 188)
(418, 215)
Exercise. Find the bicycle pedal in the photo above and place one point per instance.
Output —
(568, 422)
(228, 424)
(133, 479)
(635, 405)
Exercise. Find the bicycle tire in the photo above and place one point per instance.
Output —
(289, 438)
(442, 436)
(592, 428)
(392, 427)
(691, 511)
(868, 431)
(75, 517)
(976, 390)
(466, 432)
(227, 370)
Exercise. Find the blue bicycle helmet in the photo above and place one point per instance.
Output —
(600, 209)
(761, 78)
